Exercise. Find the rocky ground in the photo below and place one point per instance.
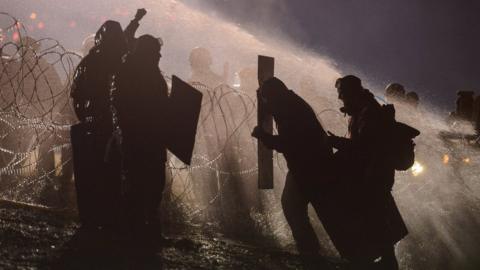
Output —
(39, 238)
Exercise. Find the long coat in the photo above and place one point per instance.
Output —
(365, 219)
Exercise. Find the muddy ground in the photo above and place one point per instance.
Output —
(37, 238)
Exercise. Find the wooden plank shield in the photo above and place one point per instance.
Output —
(184, 111)
(264, 119)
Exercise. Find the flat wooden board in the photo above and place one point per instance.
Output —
(184, 110)
(265, 156)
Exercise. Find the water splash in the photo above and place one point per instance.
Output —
(440, 205)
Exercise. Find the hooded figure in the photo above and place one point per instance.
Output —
(140, 100)
(97, 166)
(302, 141)
(369, 223)
(93, 76)
(91, 83)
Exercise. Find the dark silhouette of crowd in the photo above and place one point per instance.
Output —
(121, 100)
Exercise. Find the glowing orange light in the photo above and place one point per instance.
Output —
(446, 159)
(16, 36)
(466, 160)
(72, 24)
(33, 16)
(40, 25)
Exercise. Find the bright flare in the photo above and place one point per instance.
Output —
(33, 16)
(72, 24)
(446, 159)
(417, 168)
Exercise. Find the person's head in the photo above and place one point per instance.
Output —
(350, 92)
(412, 98)
(147, 50)
(110, 39)
(272, 93)
(395, 91)
(200, 58)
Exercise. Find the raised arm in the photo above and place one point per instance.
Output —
(132, 27)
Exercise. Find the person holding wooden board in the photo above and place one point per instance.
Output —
(302, 141)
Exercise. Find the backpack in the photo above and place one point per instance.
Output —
(400, 140)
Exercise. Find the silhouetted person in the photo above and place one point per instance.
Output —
(395, 92)
(412, 99)
(201, 66)
(140, 99)
(464, 108)
(372, 223)
(302, 141)
(97, 179)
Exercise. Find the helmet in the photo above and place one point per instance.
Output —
(394, 90)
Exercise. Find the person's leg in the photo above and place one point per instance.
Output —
(150, 177)
(154, 190)
(295, 209)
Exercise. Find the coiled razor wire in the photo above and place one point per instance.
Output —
(36, 114)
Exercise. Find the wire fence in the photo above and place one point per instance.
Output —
(36, 114)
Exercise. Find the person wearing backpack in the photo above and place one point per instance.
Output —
(369, 223)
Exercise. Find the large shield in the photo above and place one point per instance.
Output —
(184, 103)
(264, 119)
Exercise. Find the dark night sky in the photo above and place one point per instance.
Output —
(430, 46)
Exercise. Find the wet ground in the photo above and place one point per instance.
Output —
(38, 238)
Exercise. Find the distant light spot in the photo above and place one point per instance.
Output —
(446, 159)
(466, 160)
(72, 24)
(33, 15)
(16, 36)
(40, 25)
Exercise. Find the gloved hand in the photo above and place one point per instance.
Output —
(258, 132)
(334, 140)
(140, 13)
